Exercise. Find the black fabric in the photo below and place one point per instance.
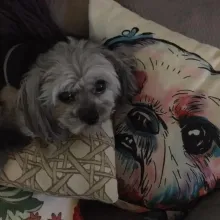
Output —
(25, 22)
(21, 59)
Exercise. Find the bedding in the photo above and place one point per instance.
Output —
(136, 194)
(167, 138)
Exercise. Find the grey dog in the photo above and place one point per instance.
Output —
(71, 88)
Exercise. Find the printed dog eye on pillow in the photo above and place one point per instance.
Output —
(168, 137)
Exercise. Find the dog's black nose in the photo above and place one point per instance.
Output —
(88, 115)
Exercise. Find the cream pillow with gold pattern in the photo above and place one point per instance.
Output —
(82, 167)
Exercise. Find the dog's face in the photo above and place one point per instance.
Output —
(75, 84)
(82, 88)
(168, 138)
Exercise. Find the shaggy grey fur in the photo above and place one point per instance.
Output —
(73, 67)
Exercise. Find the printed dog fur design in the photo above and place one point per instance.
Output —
(168, 137)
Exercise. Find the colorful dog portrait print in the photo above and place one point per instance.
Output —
(168, 137)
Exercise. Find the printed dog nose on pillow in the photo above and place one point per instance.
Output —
(167, 137)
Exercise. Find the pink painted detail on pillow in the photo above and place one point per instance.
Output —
(167, 139)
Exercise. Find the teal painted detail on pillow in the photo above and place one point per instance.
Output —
(128, 37)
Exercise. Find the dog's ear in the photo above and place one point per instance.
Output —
(124, 66)
(37, 117)
(8, 123)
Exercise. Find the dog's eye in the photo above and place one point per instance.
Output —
(198, 135)
(66, 97)
(100, 86)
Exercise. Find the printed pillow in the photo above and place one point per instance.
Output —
(168, 137)
(17, 204)
(82, 167)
